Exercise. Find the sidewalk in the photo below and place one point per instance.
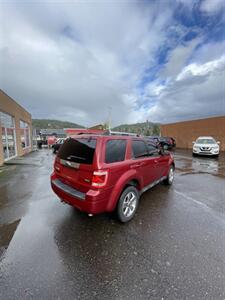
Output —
(28, 159)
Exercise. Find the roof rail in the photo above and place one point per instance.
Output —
(110, 132)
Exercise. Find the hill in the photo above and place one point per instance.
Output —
(146, 128)
(53, 124)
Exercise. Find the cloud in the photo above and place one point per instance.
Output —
(212, 6)
(74, 60)
(178, 58)
(197, 91)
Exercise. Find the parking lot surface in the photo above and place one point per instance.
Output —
(174, 248)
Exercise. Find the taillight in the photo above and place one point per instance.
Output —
(99, 178)
(57, 164)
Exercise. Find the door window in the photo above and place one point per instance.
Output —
(139, 149)
(153, 150)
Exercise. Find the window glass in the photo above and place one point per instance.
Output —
(206, 141)
(115, 151)
(24, 134)
(6, 120)
(7, 128)
(78, 150)
(139, 149)
(23, 124)
(153, 150)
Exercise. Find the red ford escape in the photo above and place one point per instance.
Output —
(103, 173)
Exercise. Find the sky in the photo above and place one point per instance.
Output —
(130, 61)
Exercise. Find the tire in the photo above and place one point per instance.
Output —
(194, 154)
(170, 177)
(127, 205)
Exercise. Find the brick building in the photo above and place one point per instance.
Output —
(188, 131)
(16, 129)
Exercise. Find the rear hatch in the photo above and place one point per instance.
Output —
(75, 162)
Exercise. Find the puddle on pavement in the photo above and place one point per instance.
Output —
(200, 165)
(6, 234)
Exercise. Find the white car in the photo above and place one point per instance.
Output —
(206, 145)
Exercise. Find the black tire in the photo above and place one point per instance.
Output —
(194, 154)
(170, 177)
(126, 211)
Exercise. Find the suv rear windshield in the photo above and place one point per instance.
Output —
(78, 150)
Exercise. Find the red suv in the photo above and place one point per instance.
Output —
(99, 174)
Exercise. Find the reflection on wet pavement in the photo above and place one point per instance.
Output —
(197, 165)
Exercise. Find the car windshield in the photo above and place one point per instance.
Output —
(206, 141)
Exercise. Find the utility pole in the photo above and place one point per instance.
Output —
(109, 116)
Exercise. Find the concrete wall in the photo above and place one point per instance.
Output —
(9, 106)
(188, 131)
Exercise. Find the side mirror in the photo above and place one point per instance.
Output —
(193, 142)
(162, 147)
(218, 142)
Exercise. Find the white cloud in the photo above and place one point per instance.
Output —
(73, 60)
(212, 6)
(201, 70)
(197, 91)
(178, 58)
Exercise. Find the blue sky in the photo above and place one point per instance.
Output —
(158, 60)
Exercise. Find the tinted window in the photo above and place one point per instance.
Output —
(115, 151)
(153, 150)
(78, 150)
(139, 149)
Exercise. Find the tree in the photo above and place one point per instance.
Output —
(156, 129)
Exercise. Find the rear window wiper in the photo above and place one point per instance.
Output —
(74, 156)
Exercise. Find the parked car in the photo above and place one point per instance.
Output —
(99, 174)
(206, 145)
(57, 145)
(166, 142)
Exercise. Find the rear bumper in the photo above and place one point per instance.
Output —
(92, 202)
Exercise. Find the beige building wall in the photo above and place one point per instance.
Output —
(188, 131)
(11, 107)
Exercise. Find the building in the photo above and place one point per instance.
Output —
(75, 131)
(16, 129)
(59, 133)
(188, 131)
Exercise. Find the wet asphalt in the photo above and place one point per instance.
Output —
(174, 248)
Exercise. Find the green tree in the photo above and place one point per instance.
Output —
(155, 130)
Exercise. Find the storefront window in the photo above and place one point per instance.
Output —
(8, 135)
(24, 134)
